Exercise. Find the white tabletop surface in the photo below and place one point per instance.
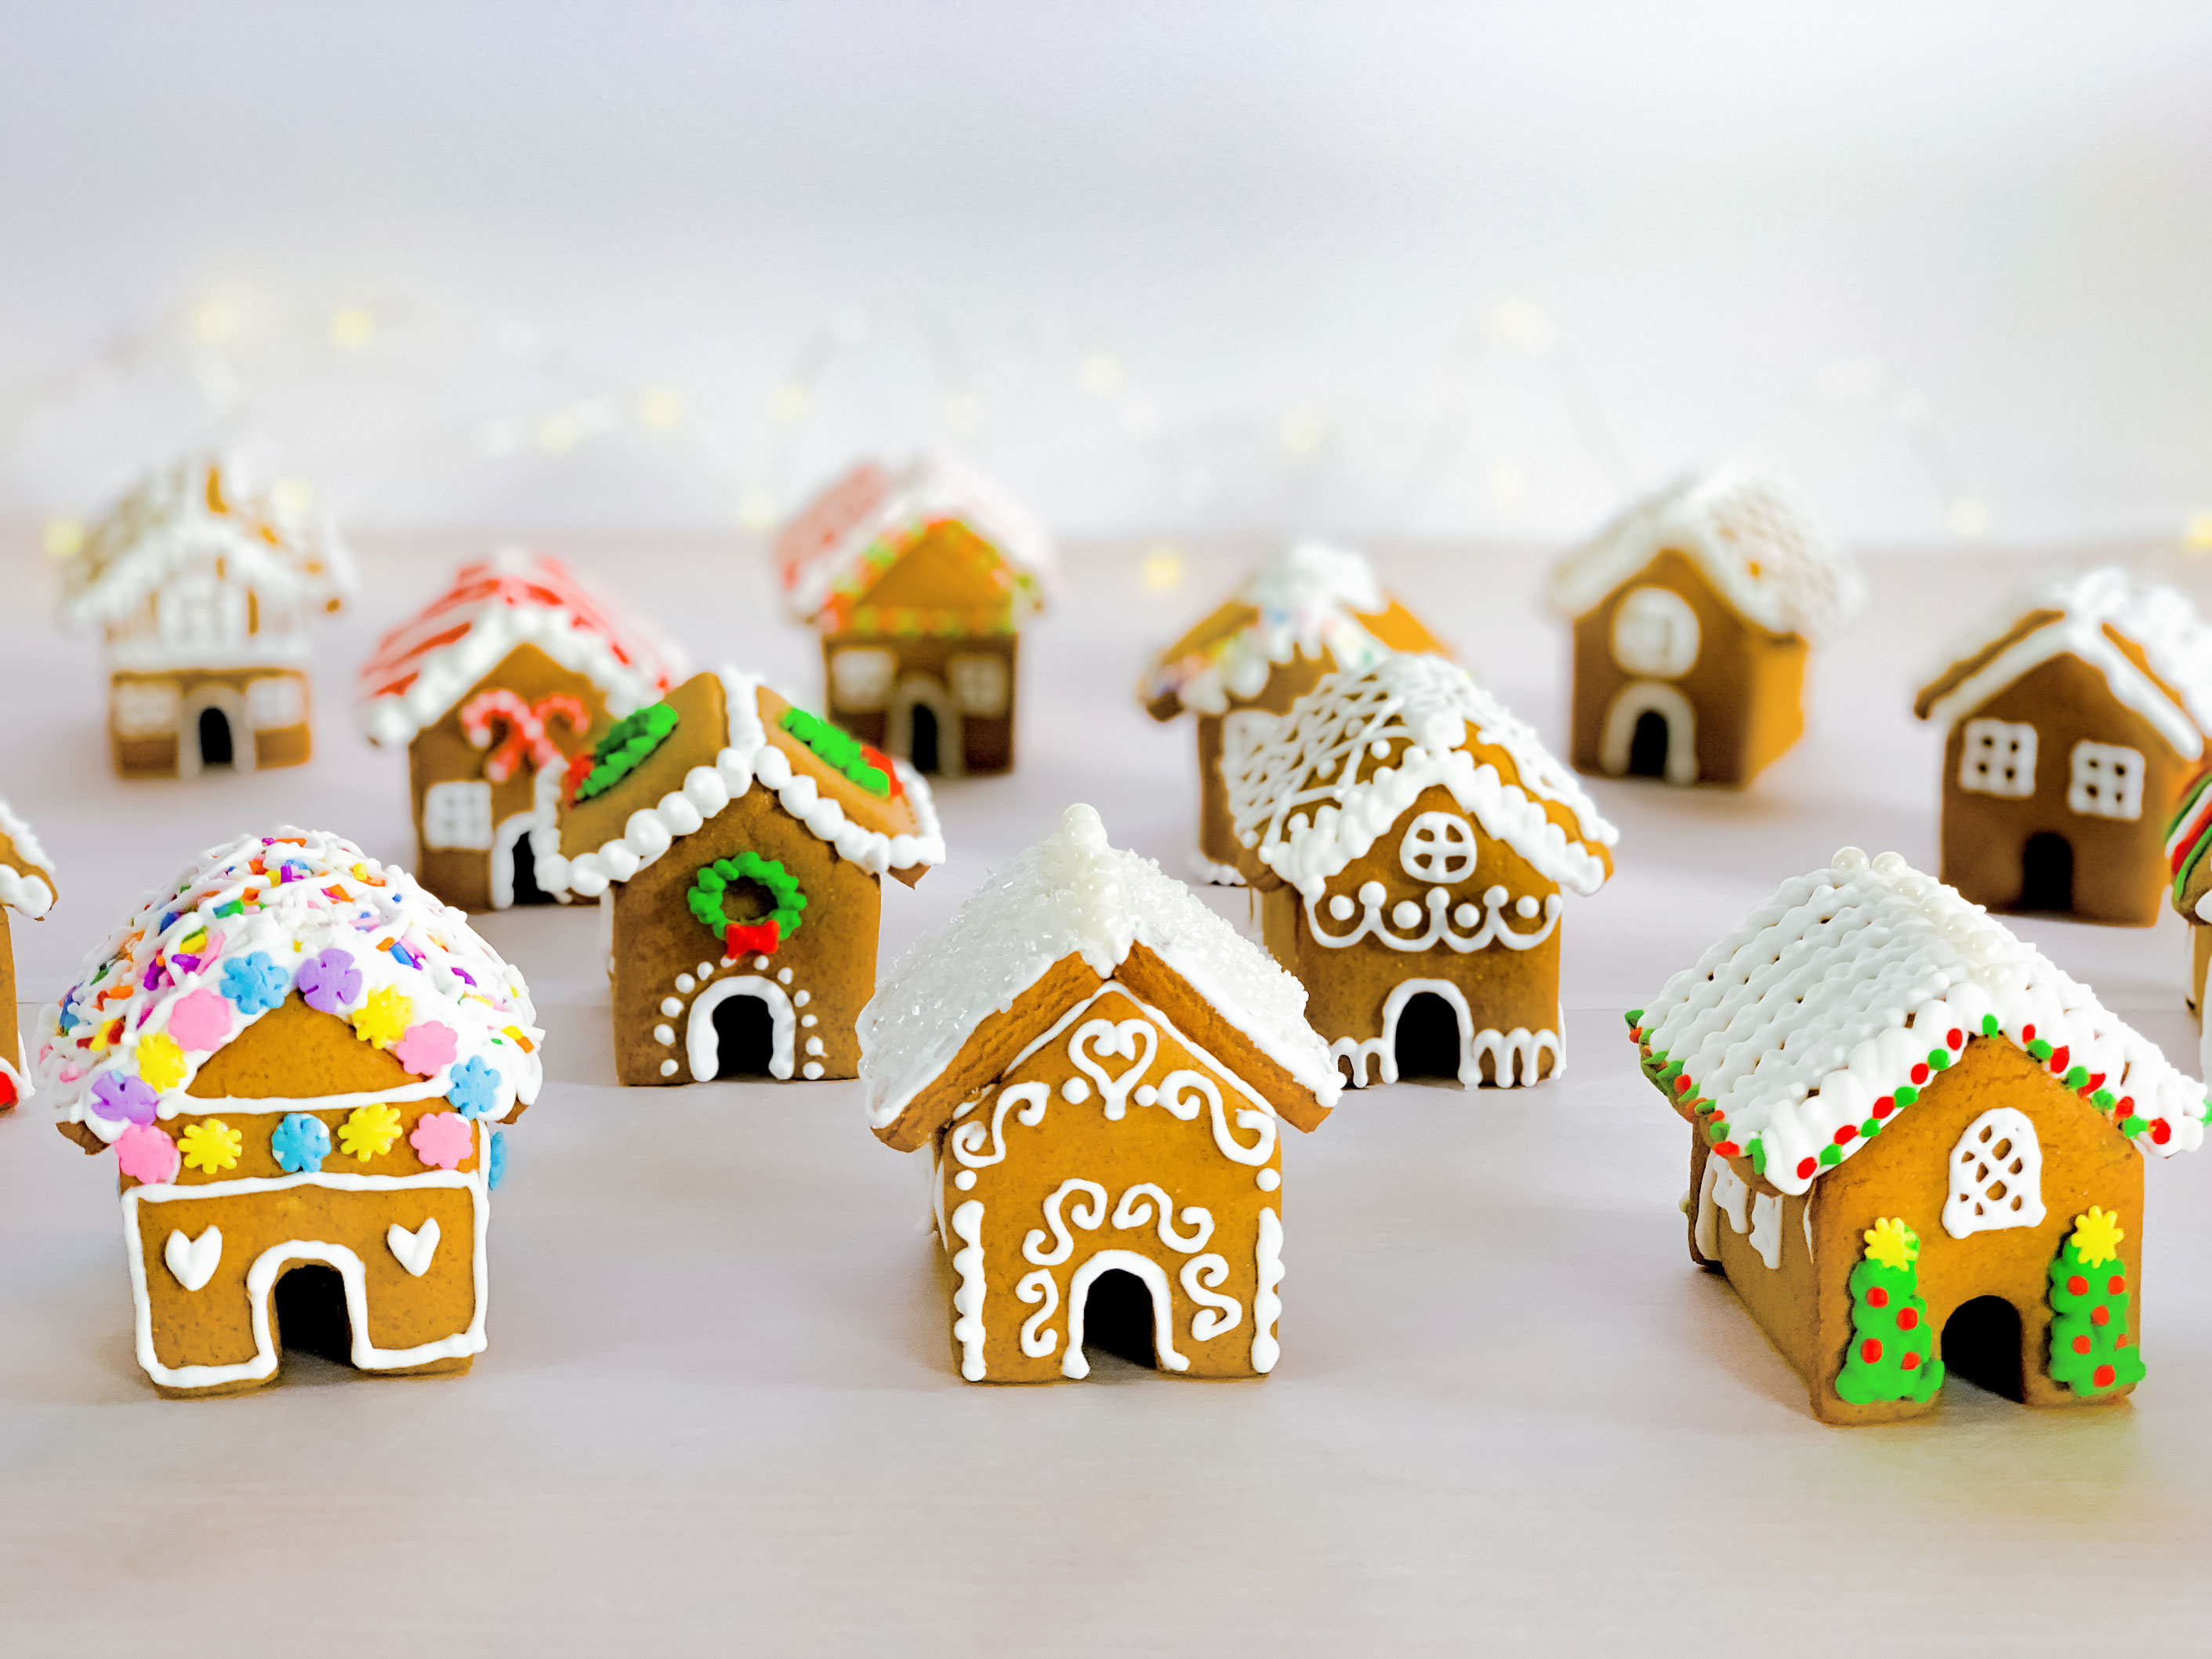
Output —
(719, 1413)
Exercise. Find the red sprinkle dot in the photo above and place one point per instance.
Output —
(2077, 1285)
(1911, 1362)
(2081, 1344)
(2116, 1284)
(2027, 1034)
(1728, 1149)
(2104, 1376)
(2100, 1315)
(2120, 1340)
(1907, 1319)
(1884, 1107)
(1919, 1075)
(1877, 1298)
(1957, 1039)
(2161, 1131)
(1682, 1084)
(1845, 1135)
(1804, 1168)
(1870, 1350)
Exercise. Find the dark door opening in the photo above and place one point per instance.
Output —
(1981, 1343)
(744, 1036)
(925, 739)
(2046, 873)
(1647, 748)
(214, 734)
(1117, 1318)
(310, 1313)
(525, 888)
(1428, 1042)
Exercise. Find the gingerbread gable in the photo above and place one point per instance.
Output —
(1045, 932)
(1752, 536)
(2145, 639)
(1311, 791)
(1795, 1040)
(425, 666)
(26, 874)
(1312, 601)
(838, 549)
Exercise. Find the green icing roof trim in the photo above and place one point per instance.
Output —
(838, 749)
(624, 748)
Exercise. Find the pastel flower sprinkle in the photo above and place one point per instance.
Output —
(160, 1061)
(146, 1154)
(384, 1019)
(426, 1047)
(496, 1161)
(254, 983)
(211, 1145)
(200, 1020)
(120, 1097)
(473, 1087)
(328, 980)
(300, 1143)
(369, 1131)
(442, 1140)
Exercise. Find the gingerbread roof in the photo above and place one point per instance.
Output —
(726, 733)
(844, 541)
(241, 929)
(1073, 895)
(1753, 537)
(1311, 600)
(26, 874)
(429, 663)
(2143, 637)
(181, 519)
(1311, 790)
(1796, 1037)
(2188, 837)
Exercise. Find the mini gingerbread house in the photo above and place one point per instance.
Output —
(27, 885)
(1311, 610)
(299, 1056)
(2073, 728)
(1410, 840)
(2188, 838)
(1693, 613)
(204, 586)
(1916, 1146)
(740, 845)
(517, 666)
(1100, 1066)
(917, 580)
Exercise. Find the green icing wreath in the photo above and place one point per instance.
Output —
(624, 748)
(712, 880)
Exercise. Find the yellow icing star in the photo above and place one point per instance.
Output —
(384, 1019)
(1892, 1243)
(2097, 1236)
(210, 1145)
(369, 1131)
(160, 1062)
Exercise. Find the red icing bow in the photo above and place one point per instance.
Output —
(528, 728)
(757, 938)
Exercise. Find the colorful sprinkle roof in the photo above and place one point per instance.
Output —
(1311, 790)
(426, 665)
(1312, 600)
(244, 927)
(26, 874)
(1753, 537)
(1794, 1040)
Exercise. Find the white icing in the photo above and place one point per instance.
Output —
(414, 1249)
(1037, 1342)
(1267, 1302)
(968, 1299)
(1155, 1278)
(1202, 1279)
(1494, 930)
(1514, 1055)
(193, 1261)
(1138, 1205)
(968, 1141)
(1731, 1193)
(1132, 1039)
(1978, 1173)
(1617, 742)
(27, 886)
(702, 1045)
(1766, 1228)
(1707, 1233)
(1087, 1215)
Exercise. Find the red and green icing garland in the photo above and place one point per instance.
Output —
(761, 938)
(868, 768)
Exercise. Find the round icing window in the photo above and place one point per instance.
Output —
(1655, 632)
(1438, 847)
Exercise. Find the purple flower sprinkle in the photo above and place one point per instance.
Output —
(329, 980)
(123, 1097)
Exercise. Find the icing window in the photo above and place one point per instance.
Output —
(1655, 632)
(273, 702)
(978, 684)
(457, 816)
(2106, 781)
(1996, 1175)
(861, 678)
(145, 708)
(1998, 758)
(1438, 847)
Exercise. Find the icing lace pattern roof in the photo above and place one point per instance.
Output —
(427, 665)
(748, 757)
(1072, 894)
(1753, 537)
(1790, 1042)
(27, 885)
(2079, 617)
(241, 928)
(1311, 790)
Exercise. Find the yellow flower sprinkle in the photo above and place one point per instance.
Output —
(210, 1145)
(384, 1019)
(160, 1062)
(1892, 1243)
(2097, 1236)
(369, 1131)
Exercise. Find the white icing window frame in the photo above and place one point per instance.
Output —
(457, 816)
(1972, 1170)
(981, 686)
(1997, 757)
(2104, 780)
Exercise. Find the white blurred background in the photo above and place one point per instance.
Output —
(1385, 271)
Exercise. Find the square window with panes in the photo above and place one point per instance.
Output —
(1997, 757)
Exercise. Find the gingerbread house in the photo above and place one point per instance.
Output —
(300, 1058)
(918, 578)
(1309, 612)
(1693, 612)
(1915, 1146)
(2188, 838)
(2073, 727)
(517, 666)
(203, 586)
(1100, 1067)
(739, 846)
(1412, 842)
(26, 886)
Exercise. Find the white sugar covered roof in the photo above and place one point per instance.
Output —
(2087, 616)
(1072, 894)
(1753, 536)
(241, 928)
(1312, 789)
(1797, 1036)
(26, 877)
(429, 663)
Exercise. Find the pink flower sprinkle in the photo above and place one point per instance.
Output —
(200, 1021)
(146, 1153)
(424, 1047)
(442, 1140)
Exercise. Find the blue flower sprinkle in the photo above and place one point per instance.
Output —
(496, 1161)
(300, 1143)
(255, 983)
(473, 1087)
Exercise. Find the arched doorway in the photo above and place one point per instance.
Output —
(1982, 1343)
(744, 1038)
(1152, 1281)
(1647, 749)
(1427, 1043)
(2046, 873)
(1117, 1318)
(514, 865)
(1650, 732)
(308, 1314)
(213, 731)
(924, 729)
(704, 1030)
(922, 745)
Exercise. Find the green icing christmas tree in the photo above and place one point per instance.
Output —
(1891, 1353)
(2091, 1351)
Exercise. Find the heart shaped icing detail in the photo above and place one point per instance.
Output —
(1132, 1039)
(414, 1249)
(193, 1260)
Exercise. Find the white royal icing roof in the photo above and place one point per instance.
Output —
(2149, 614)
(1794, 1026)
(318, 903)
(23, 890)
(1308, 793)
(1072, 894)
(518, 596)
(1754, 537)
(748, 757)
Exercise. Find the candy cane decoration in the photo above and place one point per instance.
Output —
(528, 729)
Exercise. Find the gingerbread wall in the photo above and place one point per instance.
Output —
(141, 754)
(986, 741)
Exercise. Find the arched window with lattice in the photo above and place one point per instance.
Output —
(1996, 1175)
